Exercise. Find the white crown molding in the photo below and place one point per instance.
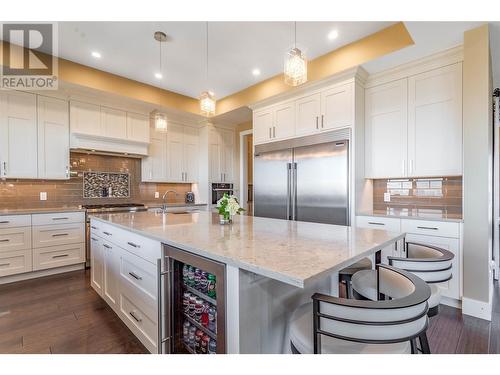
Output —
(356, 74)
(437, 60)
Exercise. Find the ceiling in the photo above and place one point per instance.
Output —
(235, 49)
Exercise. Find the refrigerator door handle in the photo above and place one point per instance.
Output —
(288, 189)
(294, 191)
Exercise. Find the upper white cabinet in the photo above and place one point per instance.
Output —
(138, 127)
(386, 130)
(322, 110)
(107, 129)
(53, 138)
(413, 126)
(18, 135)
(114, 123)
(221, 154)
(435, 122)
(173, 156)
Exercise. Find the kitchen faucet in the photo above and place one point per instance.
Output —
(164, 206)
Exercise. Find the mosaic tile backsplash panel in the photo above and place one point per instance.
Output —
(18, 193)
(104, 184)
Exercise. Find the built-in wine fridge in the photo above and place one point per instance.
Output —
(192, 304)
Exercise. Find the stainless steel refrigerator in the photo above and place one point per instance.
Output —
(304, 179)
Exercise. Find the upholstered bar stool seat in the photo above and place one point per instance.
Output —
(341, 326)
(345, 274)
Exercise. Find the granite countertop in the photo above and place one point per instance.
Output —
(39, 210)
(288, 251)
(415, 213)
(160, 204)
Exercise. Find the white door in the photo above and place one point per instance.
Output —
(18, 135)
(85, 118)
(111, 274)
(284, 121)
(191, 151)
(386, 130)
(262, 126)
(114, 123)
(337, 107)
(435, 122)
(96, 264)
(137, 127)
(175, 153)
(307, 114)
(450, 288)
(53, 138)
(227, 154)
(214, 155)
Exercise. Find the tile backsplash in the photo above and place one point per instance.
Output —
(25, 193)
(443, 193)
(105, 184)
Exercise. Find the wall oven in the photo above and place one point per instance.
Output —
(218, 190)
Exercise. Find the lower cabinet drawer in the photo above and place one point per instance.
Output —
(14, 262)
(138, 274)
(431, 228)
(140, 321)
(375, 222)
(15, 239)
(58, 256)
(14, 221)
(63, 234)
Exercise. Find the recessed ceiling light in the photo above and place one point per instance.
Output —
(159, 75)
(333, 34)
(96, 54)
(256, 72)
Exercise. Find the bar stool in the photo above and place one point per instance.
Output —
(338, 325)
(430, 263)
(345, 274)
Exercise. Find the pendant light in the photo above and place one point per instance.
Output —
(160, 119)
(295, 70)
(207, 98)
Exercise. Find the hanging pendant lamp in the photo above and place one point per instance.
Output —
(207, 98)
(160, 119)
(295, 69)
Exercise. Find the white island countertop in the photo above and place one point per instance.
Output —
(288, 251)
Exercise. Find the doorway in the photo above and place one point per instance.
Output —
(246, 168)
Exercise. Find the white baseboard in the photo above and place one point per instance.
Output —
(478, 309)
(451, 302)
(36, 274)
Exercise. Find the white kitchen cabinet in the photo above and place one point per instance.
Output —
(382, 223)
(435, 122)
(337, 107)
(175, 153)
(113, 123)
(262, 126)
(53, 138)
(96, 264)
(221, 154)
(111, 274)
(191, 154)
(18, 135)
(308, 114)
(275, 123)
(386, 130)
(154, 166)
(85, 118)
(137, 127)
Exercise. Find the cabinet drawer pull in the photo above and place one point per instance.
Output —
(4, 264)
(107, 233)
(135, 317)
(93, 227)
(60, 218)
(135, 276)
(133, 244)
(375, 223)
(274, 131)
(5, 240)
(4, 222)
(93, 239)
(107, 246)
(317, 122)
(429, 228)
(60, 234)
(269, 133)
(322, 121)
(59, 256)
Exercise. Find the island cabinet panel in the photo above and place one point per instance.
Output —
(111, 263)
(96, 264)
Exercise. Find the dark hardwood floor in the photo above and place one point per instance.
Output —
(60, 314)
(63, 314)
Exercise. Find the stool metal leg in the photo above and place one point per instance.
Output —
(424, 343)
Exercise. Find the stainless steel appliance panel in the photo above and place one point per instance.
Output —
(272, 184)
(321, 183)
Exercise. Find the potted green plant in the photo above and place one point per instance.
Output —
(228, 206)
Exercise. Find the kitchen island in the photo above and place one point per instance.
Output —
(271, 265)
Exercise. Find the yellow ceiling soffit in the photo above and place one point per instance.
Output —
(375, 45)
(390, 39)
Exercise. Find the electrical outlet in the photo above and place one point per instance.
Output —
(157, 194)
(387, 197)
(43, 195)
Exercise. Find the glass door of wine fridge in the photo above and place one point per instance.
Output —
(193, 304)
